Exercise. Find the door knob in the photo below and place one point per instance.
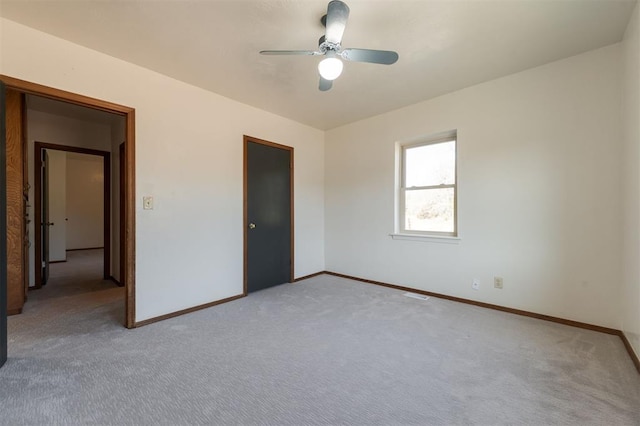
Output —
(49, 223)
(252, 226)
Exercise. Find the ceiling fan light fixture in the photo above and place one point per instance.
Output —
(330, 67)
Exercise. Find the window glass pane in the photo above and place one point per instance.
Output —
(430, 165)
(429, 210)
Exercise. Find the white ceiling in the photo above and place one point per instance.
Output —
(443, 45)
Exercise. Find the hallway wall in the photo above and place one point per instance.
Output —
(630, 297)
(85, 201)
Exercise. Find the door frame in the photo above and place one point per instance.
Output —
(245, 220)
(130, 213)
(3, 231)
(122, 167)
(37, 205)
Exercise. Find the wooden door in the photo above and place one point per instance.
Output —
(268, 214)
(3, 231)
(15, 214)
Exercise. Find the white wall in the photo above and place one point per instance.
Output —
(189, 158)
(539, 183)
(59, 130)
(539, 192)
(85, 201)
(57, 164)
(631, 135)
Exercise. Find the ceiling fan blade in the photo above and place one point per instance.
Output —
(289, 52)
(337, 15)
(386, 57)
(325, 84)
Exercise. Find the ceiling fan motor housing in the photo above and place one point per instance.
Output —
(324, 46)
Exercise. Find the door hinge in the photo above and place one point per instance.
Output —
(44, 264)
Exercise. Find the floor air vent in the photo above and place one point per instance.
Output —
(417, 296)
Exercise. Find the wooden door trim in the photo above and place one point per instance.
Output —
(106, 221)
(245, 223)
(129, 115)
(122, 213)
(62, 95)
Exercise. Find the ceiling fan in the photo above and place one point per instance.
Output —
(330, 67)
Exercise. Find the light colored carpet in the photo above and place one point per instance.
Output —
(323, 351)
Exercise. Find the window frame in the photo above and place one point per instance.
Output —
(444, 137)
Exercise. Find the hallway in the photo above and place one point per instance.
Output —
(75, 291)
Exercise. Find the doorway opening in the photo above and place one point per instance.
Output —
(68, 194)
(127, 209)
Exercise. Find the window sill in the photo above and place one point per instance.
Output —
(426, 238)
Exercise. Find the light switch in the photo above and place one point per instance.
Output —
(147, 202)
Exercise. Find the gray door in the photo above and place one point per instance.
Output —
(3, 230)
(44, 205)
(269, 225)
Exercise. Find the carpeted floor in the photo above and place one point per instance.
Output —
(323, 351)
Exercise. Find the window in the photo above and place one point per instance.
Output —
(428, 191)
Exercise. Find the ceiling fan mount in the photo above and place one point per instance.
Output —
(324, 46)
(330, 47)
(323, 20)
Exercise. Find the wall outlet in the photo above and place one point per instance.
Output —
(147, 203)
(497, 282)
(476, 284)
